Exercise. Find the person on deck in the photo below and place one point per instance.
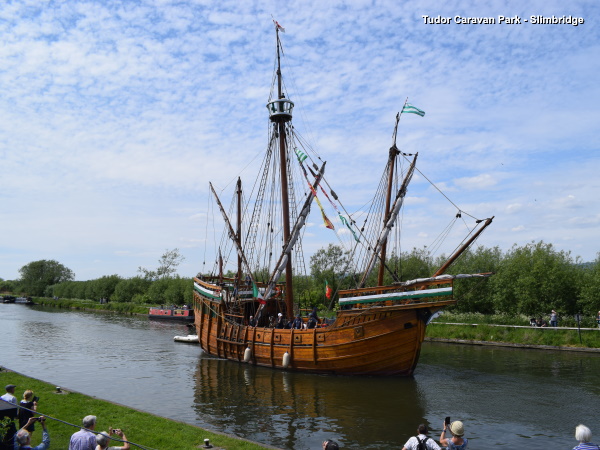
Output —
(584, 435)
(280, 322)
(252, 321)
(84, 439)
(456, 442)
(297, 325)
(313, 319)
(23, 438)
(413, 442)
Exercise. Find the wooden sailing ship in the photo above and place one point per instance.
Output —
(377, 330)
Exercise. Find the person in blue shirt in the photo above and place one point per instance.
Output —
(584, 435)
(23, 438)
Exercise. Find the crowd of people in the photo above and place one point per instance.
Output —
(452, 436)
(297, 323)
(25, 412)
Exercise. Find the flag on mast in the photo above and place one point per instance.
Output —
(328, 290)
(279, 27)
(256, 294)
(408, 108)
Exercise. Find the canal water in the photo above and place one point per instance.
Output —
(508, 398)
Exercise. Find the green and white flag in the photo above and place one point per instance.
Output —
(408, 108)
(301, 156)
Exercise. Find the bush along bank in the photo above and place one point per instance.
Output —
(510, 330)
(65, 410)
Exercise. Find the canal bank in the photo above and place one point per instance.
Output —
(516, 336)
(64, 409)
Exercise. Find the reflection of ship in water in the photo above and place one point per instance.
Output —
(297, 410)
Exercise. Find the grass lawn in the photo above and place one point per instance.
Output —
(141, 428)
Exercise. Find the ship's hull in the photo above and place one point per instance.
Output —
(382, 340)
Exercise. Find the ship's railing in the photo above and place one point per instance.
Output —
(418, 292)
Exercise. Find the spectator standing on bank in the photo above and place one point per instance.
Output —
(413, 442)
(553, 319)
(30, 403)
(8, 409)
(457, 441)
(584, 435)
(598, 319)
(23, 437)
(84, 439)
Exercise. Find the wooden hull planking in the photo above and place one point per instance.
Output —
(382, 340)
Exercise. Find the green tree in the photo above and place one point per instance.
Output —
(535, 279)
(38, 275)
(589, 301)
(131, 289)
(104, 287)
(476, 295)
(329, 264)
(167, 266)
(7, 285)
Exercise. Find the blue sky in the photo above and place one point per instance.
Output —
(115, 115)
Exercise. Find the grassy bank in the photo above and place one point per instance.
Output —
(141, 428)
(127, 308)
(493, 329)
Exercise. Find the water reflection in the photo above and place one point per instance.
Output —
(294, 410)
(506, 397)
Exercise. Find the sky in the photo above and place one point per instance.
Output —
(115, 115)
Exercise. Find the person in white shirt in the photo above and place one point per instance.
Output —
(9, 396)
(413, 442)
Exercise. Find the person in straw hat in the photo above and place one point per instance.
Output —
(457, 441)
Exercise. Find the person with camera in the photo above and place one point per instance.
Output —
(23, 438)
(421, 440)
(27, 409)
(457, 441)
(103, 440)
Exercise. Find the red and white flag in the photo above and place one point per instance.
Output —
(279, 27)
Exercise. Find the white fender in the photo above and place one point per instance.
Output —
(286, 360)
(247, 354)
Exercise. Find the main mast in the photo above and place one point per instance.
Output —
(280, 111)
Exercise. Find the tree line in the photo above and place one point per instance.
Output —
(49, 278)
(531, 279)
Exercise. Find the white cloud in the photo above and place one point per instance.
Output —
(116, 116)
